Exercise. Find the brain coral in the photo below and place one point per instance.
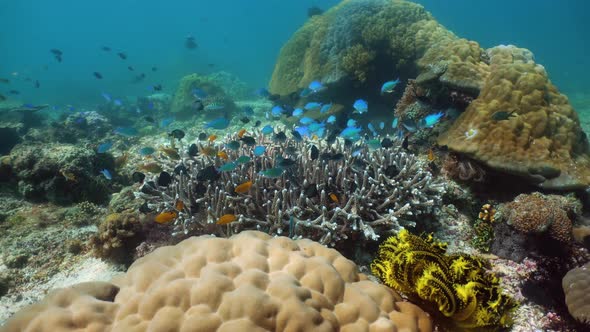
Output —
(249, 282)
(576, 286)
(541, 140)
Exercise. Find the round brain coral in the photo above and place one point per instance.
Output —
(576, 286)
(249, 282)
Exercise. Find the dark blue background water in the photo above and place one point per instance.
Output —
(239, 36)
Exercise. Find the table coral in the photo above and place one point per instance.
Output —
(541, 141)
(249, 282)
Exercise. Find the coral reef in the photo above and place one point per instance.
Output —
(331, 199)
(541, 140)
(59, 173)
(458, 284)
(576, 286)
(537, 214)
(251, 281)
(462, 169)
(183, 102)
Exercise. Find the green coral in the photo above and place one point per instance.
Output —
(183, 102)
(484, 235)
(458, 284)
(356, 61)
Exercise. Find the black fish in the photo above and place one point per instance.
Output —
(2, 98)
(106, 48)
(248, 140)
(245, 120)
(199, 189)
(391, 171)
(177, 133)
(502, 115)
(14, 92)
(315, 152)
(337, 156)
(139, 78)
(97, 75)
(157, 87)
(203, 136)
(310, 190)
(258, 122)
(4, 80)
(149, 119)
(138, 177)
(180, 169)
(58, 58)
(280, 137)
(405, 143)
(193, 150)
(332, 137)
(149, 188)
(286, 162)
(313, 11)
(164, 179)
(296, 136)
(154, 69)
(211, 65)
(290, 150)
(130, 68)
(386, 143)
(208, 173)
(190, 43)
(326, 156)
(144, 208)
(274, 97)
(122, 55)
(347, 142)
(198, 104)
(56, 52)
(37, 85)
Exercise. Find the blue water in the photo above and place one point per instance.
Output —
(241, 37)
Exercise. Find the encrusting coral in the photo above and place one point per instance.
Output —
(249, 282)
(520, 124)
(542, 214)
(458, 284)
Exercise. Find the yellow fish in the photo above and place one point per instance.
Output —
(165, 217)
(244, 187)
(209, 151)
(430, 155)
(69, 176)
(334, 198)
(179, 205)
(222, 155)
(171, 153)
(241, 133)
(226, 219)
(212, 138)
(151, 167)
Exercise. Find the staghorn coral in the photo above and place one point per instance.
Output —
(249, 282)
(326, 200)
(541, 214)
(458, 284)
(542, 142)
(576, 286)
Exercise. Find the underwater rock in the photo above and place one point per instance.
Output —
(59, 173)
(9, 137)
(193, 88)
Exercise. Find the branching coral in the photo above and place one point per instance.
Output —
(328, 199)
(458, 285)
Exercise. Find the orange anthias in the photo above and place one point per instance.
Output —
(226, 219)
(165, 217)
(244, 187)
